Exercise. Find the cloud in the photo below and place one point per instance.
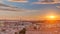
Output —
(58, 6)
(47, 2)
(5, 7)
(22, 1)
(1, 1)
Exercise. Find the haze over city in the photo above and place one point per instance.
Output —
(30, 9)
(29, 16)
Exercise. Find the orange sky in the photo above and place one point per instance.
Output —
(23, 18)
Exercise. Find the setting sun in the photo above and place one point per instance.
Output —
(51, 17)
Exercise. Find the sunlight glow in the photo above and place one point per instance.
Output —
(51, 17)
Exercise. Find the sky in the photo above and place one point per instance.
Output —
(29, 9)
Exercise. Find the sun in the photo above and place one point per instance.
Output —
(51, 17)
